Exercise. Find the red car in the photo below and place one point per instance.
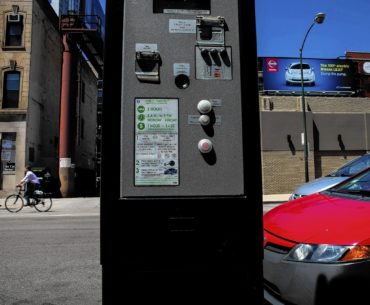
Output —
(317, 248)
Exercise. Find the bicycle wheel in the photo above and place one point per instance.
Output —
(44, 204)
(14, 203)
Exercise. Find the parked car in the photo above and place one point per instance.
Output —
(339, 175)
(317, 248)
(293, 74)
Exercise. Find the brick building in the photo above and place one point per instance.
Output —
(30, 87)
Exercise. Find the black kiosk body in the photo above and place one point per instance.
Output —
(181, 204)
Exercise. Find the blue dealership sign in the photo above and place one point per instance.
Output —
(319, 75)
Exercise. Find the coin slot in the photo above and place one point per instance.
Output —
(182, 81)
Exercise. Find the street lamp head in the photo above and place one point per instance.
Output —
(319, 18)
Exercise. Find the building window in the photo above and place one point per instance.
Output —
(14, 30)
(11, 88)
(8, 145)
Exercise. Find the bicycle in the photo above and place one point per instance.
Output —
(41, 201)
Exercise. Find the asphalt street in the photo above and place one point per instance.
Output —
(51, 258)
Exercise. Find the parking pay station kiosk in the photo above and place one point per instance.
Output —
(181, 182)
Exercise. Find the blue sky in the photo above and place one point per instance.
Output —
(282, 25)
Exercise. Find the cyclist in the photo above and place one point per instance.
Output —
(31, 182)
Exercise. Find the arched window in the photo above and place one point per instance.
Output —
(11, 87)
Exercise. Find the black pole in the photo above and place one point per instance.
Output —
(305, 144)
(110, 158)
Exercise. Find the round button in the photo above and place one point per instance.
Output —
(204, 120)
(204, 106)
(205, 146)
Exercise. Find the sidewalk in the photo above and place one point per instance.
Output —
(272, 201)
(62, 206)
(277, 198)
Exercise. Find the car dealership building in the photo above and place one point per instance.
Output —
(337, 96)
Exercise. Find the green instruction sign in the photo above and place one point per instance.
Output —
(156, 142)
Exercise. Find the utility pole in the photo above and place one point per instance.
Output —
(66, 171)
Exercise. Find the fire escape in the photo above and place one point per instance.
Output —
(85, 31)
(81, 34)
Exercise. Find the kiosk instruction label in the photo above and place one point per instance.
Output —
(156, 142)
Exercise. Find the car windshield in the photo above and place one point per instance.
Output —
(359, 184)
(352, 167)
(297, 66)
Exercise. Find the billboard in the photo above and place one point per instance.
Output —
(322, 76)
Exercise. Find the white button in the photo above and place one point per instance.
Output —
(204, 120)
(205, 146)
(204, 106)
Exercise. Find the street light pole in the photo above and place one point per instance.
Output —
(318, 19)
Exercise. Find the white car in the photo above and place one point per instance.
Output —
(293, 74)
(344, 172)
